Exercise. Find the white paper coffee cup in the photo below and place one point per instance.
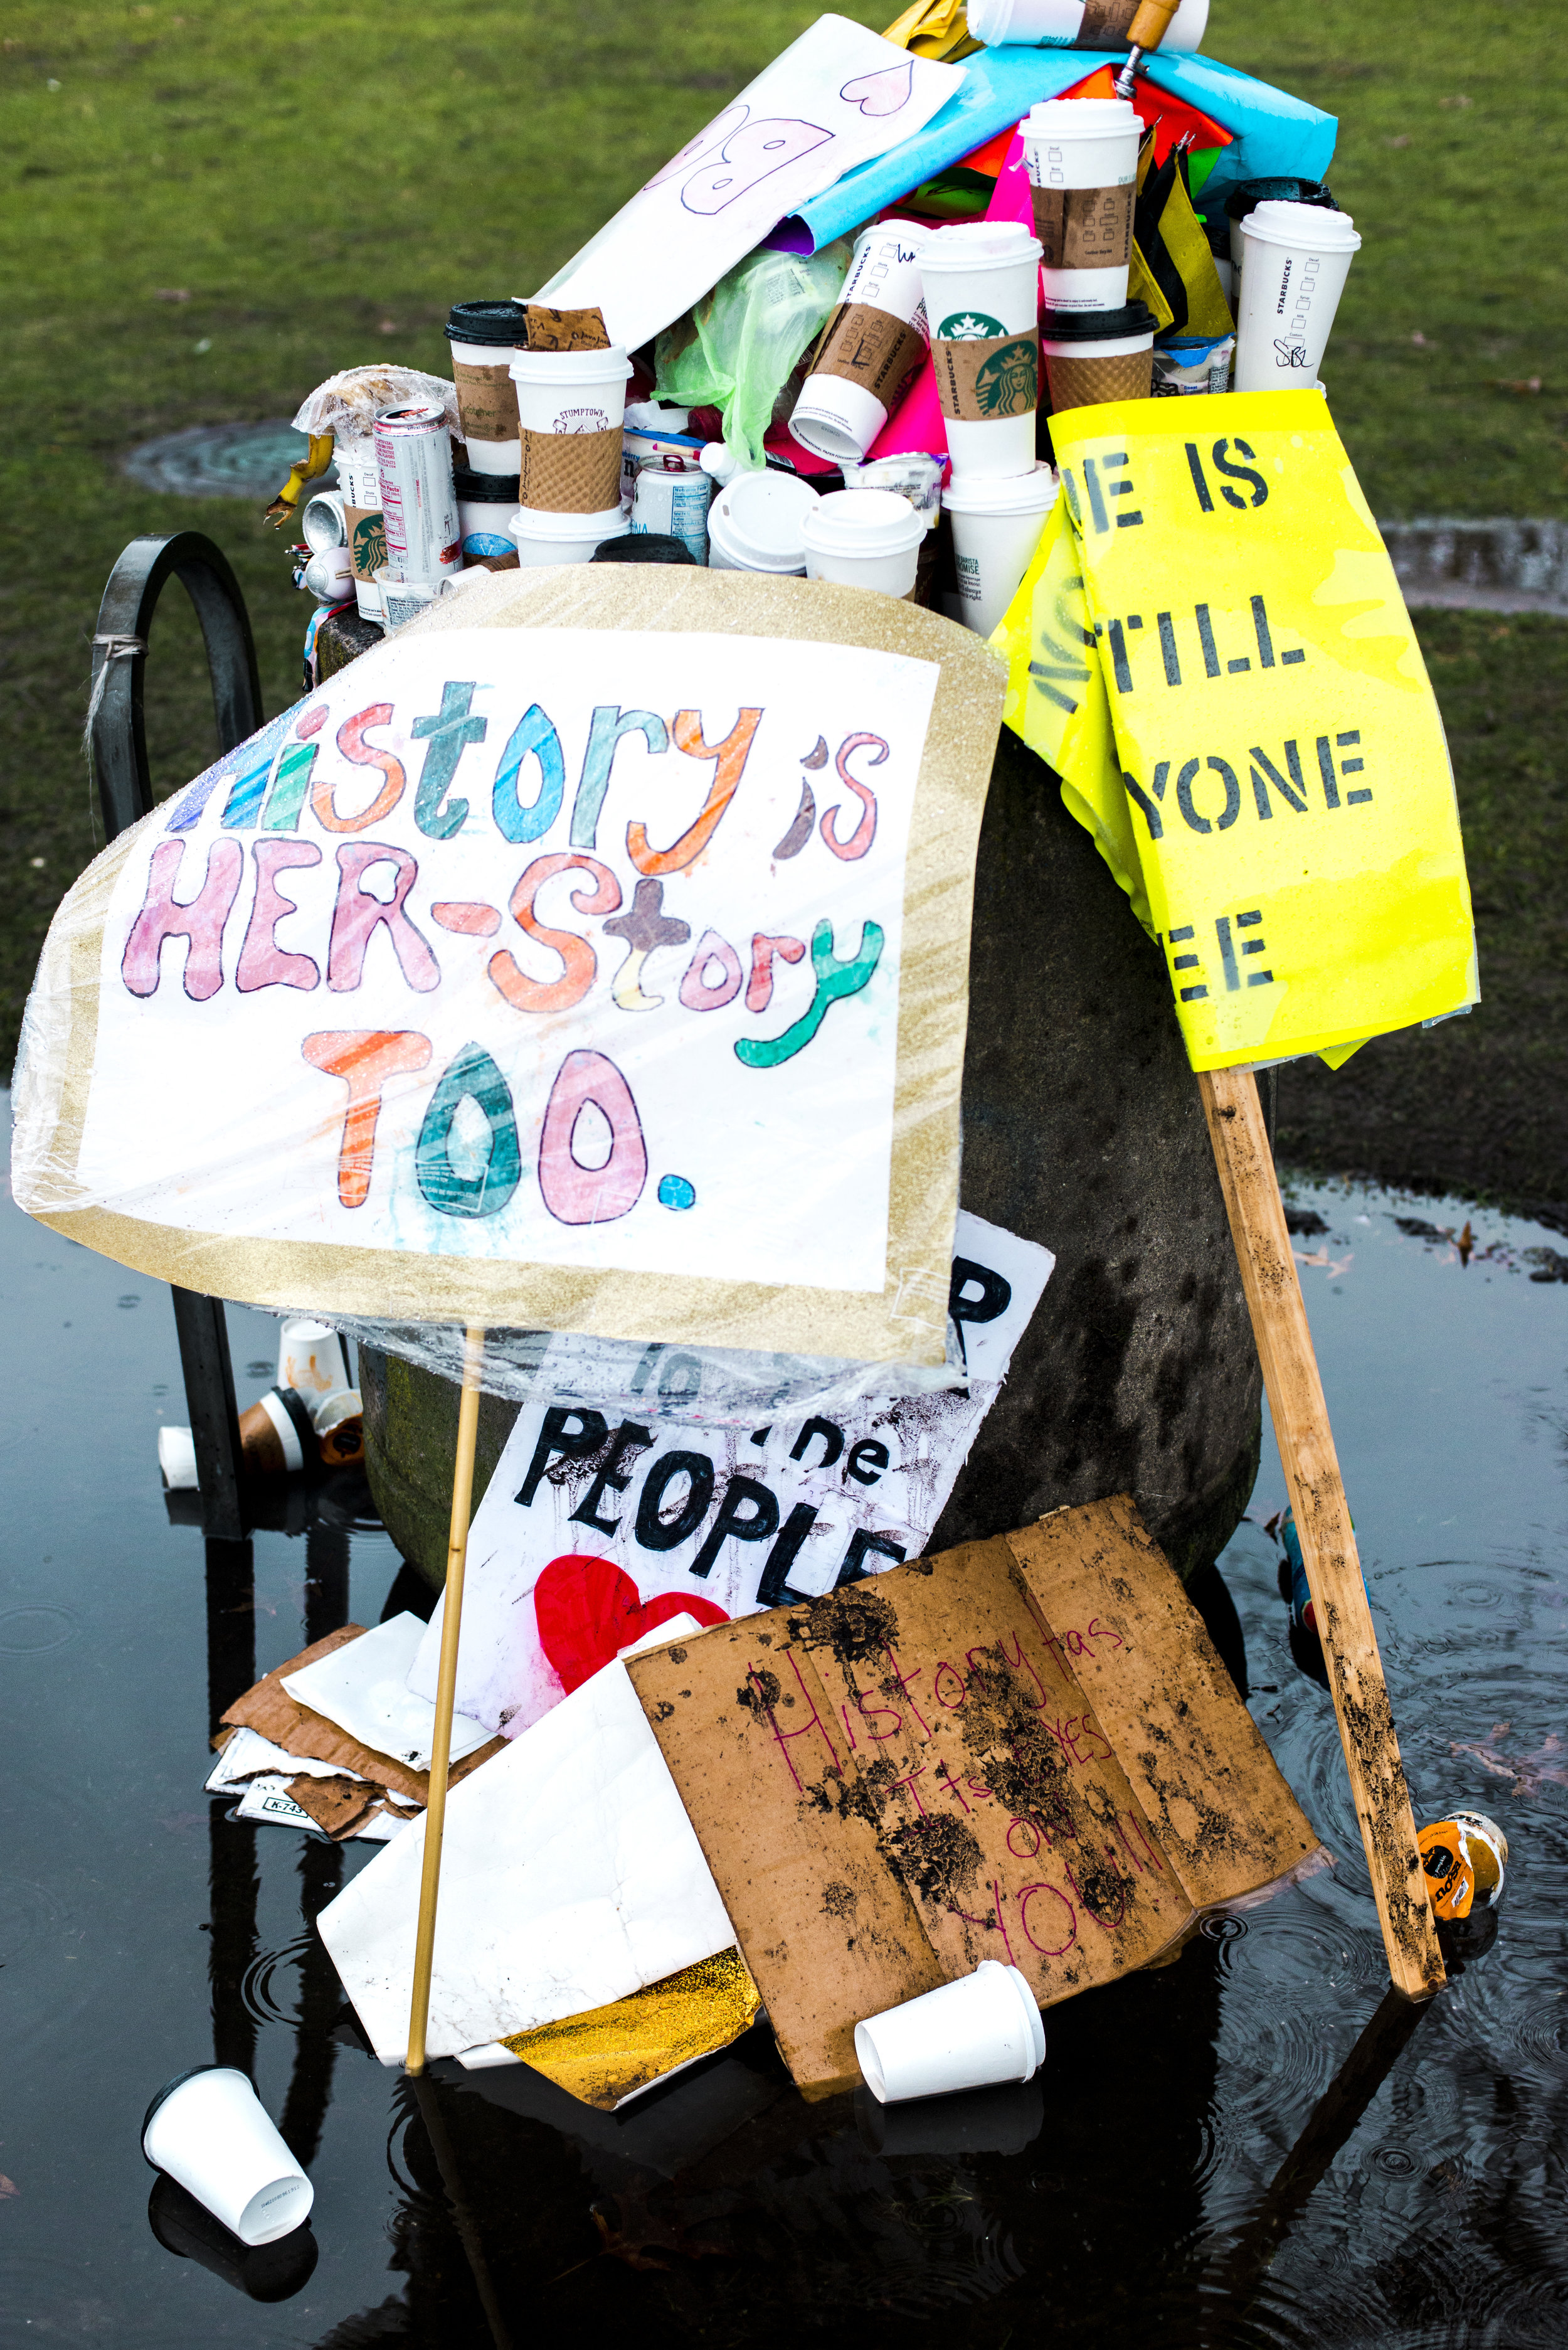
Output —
(208, 2131)
(360, 480)
(996, 527)
(485, 338)
(1061, 23)
(986, 2027)
(1094, 356)
(757, 523)
(864, 538)
(541, 537)
(1081, 154)
(982, 281)
(1296, 260)
(311, 1359)
(872, 346)
(570, 409)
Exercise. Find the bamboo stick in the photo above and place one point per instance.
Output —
(446, 1691)
(1299, 1415)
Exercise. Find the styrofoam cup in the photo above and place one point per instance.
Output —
(1296, 260)
(311, 1359)
(996, 527)
(982, 281)
(864, 538)
(1081, 154)
(872, 347)
(1058, 23)
(177, 1460)
(209, 2130)
(985, 2027)
(545, 537)
(758, 524)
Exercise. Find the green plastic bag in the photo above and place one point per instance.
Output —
(738, 347)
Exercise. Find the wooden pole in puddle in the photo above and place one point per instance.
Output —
(1269, 1275)
(446, 1694)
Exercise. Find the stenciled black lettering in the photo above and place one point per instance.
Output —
(560, 1440)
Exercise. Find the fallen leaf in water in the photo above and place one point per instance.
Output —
(1529, 1772)
(8, 2187)
(639, 2234)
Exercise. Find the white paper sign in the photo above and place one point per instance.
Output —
(556, 946)
(591, 1535)
(835, 98)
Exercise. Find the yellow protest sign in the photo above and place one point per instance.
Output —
(1289, 801)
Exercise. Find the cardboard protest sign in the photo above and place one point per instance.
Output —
(1279, 796)
(987, 1755)
(593, 1530)
(591, 957)
(834, 98)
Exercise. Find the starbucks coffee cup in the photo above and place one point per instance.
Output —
(485, 505)
(996, 527)
(570, 410)
(1250, 194)
(364, 528)
(984, 2028)
(210, 2132)
(485, 338)
(1081, 154)
(1064, 23)
(757, 523)
(541, 537)
(1096, 355)
(872, 348)
(1296, 260)
(982, 281)
(864, 538)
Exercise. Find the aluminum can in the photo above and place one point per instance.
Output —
(671, 500)
(419, 504)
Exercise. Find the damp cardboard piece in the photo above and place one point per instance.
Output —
(299, 1731)
(338, 1805)
(563, 331)
(907, 1777)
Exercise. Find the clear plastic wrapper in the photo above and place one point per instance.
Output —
(347, 404)
(746, 339)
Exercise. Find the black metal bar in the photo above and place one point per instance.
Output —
(117, 738)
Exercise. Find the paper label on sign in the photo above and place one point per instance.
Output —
(1084, 228)
(1278, 750)
(486, 400)
(989, 376)
(592, 1533)
(477, 953)
(870, 347)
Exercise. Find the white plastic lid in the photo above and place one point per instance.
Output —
(863, 521)
(537, 522)
(571, 367)
(1080, 118)
(967, 244)
(1020, 494)
(760, 521)
(1278, 222)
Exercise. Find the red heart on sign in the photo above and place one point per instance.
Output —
(587, 1610)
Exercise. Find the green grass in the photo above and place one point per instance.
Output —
(322, 185)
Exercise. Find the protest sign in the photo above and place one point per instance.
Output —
(836, 97)
(1278, 772)
(595, 978)
(594, 1529)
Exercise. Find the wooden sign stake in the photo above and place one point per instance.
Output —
(446, 1694)
(1274, 1299)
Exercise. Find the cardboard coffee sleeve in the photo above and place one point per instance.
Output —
(992, 377)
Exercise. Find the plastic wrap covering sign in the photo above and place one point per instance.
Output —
(551, 977)
(1272, 788)
(594, 1531)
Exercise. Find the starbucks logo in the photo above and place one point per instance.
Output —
(369, 546)
(970, 327)
(1009, 382)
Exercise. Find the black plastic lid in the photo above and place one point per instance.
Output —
(485, 489)
(1242, 199)
(643, 547)
(1096, 325)
(167, 2091)
(502, 323)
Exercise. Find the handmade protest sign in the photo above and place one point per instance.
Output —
(835, 98)
(594, 1529)
(551, 971)
(1279, 769)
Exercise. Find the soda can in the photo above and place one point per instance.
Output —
(671, 500)
(419, 502)
(1465, 1859)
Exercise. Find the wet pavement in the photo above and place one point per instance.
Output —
(1249, 2146)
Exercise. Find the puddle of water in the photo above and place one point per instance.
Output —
(1154, 2184)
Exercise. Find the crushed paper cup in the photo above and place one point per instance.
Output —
(1465, 1858)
